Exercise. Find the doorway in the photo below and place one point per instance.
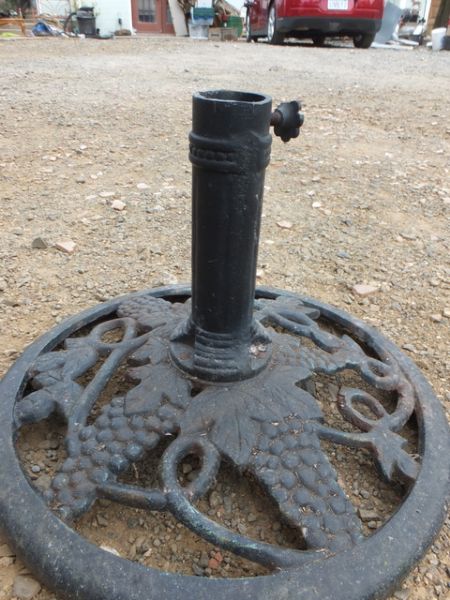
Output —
(152, 16)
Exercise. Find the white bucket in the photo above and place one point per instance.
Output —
(198, 31)
(437, 38)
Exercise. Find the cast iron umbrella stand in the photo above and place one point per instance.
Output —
(229, 373)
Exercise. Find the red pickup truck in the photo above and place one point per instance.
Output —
(314, 19)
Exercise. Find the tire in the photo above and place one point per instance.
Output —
(363, 40)
(248, 31)
(318, 40)
(273, 36)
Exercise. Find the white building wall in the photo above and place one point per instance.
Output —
(58, 8)
(108, 13)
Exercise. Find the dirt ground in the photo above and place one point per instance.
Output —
(362, 197)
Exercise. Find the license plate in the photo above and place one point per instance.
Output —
(337, 4)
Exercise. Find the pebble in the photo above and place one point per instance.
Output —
(107, 194)
(368, 515)
(197, 570)
(436, 318)
(25, 588)
(410, 348)
(43, 482)
(142, 186)
(39, 244)
(284, 224)
(102, 520)
(110, 550)
(80, 179)
(401, 595)
(408, 235)
(67, 246)
(361, 289)
(215, 499)
(118, 205)
(5, 551)
(213, 564)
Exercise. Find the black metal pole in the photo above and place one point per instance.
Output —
(230, 150)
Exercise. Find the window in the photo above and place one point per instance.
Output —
(147, 11)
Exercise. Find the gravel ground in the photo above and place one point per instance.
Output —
(95, 202)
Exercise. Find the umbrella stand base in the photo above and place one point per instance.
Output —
(271, 425)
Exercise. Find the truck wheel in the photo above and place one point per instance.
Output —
(363, 40)
(248, 31)
(274, 36)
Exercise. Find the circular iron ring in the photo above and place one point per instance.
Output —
(76, 569)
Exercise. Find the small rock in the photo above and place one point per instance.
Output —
(410, 348)
(362, 289)
(166, 279)
(118, 205)
(242, 528)
(368, 515)
(197, 570)
(80, 179)
(214, 499)
(251, 518)
(436, 318)
(39, 244)
(107, 194)
(5, 551)
(401, 595)
(213, 564)
(142, 186)
(445, 312)
(284, 224)
(110, 550)
(25, 588)
(35, 469)
(102, 521)
(407, 235)
(43, 482)
(203, 561)
(316, 204)
(67, 246)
